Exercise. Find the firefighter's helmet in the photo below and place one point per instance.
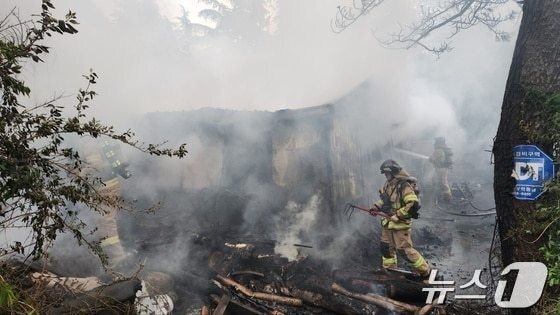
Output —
(390, 166)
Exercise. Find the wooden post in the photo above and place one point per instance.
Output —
(259, 295)
(378, 300)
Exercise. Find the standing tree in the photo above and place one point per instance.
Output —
(239, 20)
(42, 181)
(530, 114)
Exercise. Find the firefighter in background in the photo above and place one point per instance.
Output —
(442, 161)
(107, 165)
(399, 200)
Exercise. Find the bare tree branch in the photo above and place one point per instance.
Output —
(451, 16)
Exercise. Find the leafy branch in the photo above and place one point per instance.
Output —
(42, 181)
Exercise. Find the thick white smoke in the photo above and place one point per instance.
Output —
(146, 64)
(297, 224)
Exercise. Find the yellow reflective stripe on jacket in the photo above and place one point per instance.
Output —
(417, 264)
(411, 197)
(379, 202)
(110, 241)
(408, 198)
(389, 262)
(384, 221)
(403, 212)
(400, 225)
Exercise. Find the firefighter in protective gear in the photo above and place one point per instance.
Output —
(397, 198)
(441, 160)
(104, 162)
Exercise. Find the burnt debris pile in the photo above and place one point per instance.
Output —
(234, 277)
(252, 221)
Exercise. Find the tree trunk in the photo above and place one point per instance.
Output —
(535, 67)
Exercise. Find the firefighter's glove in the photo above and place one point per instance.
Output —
(394, 218)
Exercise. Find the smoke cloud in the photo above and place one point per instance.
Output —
(159, 79)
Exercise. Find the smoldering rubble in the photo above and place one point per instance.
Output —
(253, 221)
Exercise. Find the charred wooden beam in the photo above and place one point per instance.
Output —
(196, 285)
(259, 295)
(222, 305)
(343, 276)
(69, 284)
(247, 272)
(106, 297)
(397, 290)
(318, 300)
(397, 284)
(377, 300)
(426, 309)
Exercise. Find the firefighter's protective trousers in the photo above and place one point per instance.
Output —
(396, 233)
(399, 241)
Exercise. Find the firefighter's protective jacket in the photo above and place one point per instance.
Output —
(400, 194)
(441, 157)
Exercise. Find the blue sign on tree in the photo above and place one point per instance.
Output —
(532, 168)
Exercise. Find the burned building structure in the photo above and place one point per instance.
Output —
(251, 164)
(265, 193)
